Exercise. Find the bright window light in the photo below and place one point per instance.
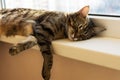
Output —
(105, 7)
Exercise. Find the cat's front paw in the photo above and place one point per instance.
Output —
(14, 50)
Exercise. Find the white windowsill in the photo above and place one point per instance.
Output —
(103, 51)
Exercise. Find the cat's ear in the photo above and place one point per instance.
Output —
(84, 11)
(99, 29)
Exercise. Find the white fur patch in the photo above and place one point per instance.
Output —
(30, 38)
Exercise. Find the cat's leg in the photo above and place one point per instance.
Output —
(47, 54)
(48, 61)
(45, 46)
(26, 44)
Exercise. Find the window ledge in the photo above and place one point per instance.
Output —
(103, 51)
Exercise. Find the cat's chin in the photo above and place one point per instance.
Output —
(74, 39)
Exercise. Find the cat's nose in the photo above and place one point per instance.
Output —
(74, 38)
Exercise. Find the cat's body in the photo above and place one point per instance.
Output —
(14, 21)
(45, 26)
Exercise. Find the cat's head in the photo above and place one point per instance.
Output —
(80, 27)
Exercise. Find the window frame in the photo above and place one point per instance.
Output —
(2, 4)
(104, 15)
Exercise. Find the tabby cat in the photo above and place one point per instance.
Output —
(41, 27)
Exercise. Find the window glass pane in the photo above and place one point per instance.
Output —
(109, 7)
(35, 4)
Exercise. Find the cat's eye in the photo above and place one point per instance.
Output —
(80, 26)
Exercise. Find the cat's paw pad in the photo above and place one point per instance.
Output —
(13, 50)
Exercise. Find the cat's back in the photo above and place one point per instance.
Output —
(16, 15)
(19, 14)
(15, 19)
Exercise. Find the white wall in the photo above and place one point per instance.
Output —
(28, 65)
